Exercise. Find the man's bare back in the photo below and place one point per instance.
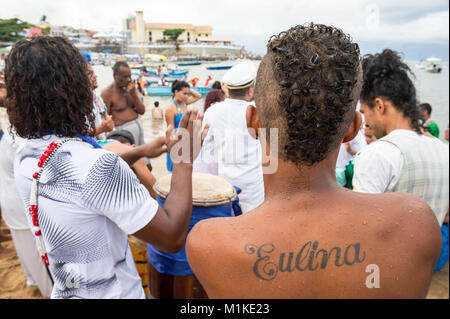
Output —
(336, 245)
(311, 238)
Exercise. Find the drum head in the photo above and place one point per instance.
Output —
(207, 190)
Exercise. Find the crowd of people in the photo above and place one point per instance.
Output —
(352, 189)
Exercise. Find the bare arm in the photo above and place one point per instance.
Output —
(138, 106)
(139, 167)
(349, 149)
(151, 150)
(106, 97)
(106, 126)
(170, 116)
(145, 176)
(167, 230)
(195, 96)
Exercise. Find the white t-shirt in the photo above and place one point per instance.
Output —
(378, 168)
(231, 152)
(13, 209)
(357, 144)
(88, 201)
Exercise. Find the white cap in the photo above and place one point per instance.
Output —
(240, 76)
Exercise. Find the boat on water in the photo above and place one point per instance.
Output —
(433, 65)
(150, 73)
(220, 67)
(153, 79)
(189, 63)
(167, 90)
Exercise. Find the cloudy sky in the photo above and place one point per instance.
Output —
(418, 28)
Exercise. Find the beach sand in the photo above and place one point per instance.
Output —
(12, 278)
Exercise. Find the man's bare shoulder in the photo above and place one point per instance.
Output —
(209, 232)
(402, 216)
(398, 205)
(218, 241)
(107, 91)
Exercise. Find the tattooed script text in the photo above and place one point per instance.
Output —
(307, 258)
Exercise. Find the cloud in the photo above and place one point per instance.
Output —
(252, 22)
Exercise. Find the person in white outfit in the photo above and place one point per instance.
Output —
(14, 214)
(231, 148)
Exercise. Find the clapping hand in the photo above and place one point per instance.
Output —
(189, 136)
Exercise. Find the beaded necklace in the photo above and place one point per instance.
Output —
(33, 208)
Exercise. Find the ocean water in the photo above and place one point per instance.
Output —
(431, 88)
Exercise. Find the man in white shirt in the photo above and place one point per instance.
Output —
(402, 159)
(230, 150)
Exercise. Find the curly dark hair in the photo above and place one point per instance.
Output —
(313, 99)
(386, 76)
(48, 89)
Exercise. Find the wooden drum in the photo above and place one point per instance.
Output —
(170, 274)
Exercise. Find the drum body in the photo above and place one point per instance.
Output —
(139, 251)
(170, 274)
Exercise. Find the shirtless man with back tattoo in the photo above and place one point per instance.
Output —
(312, 238)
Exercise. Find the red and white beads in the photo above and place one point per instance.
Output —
(33, 208)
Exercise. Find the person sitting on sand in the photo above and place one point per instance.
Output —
(312, 238)
(83, 201)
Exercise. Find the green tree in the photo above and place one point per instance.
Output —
(9, 29)
(173, 35)
(46, 31)
(43, 18)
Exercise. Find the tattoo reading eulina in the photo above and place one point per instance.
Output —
(306, 259)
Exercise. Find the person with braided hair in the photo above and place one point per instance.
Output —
(311, 238)
(402, 159)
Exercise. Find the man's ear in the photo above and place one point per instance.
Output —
(252, 121)
(380, 105)
(354, 128)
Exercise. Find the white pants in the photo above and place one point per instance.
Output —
(32, 264)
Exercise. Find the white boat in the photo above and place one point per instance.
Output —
(433, 65)
(421, 65)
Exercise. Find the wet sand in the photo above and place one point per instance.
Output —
(12, 278)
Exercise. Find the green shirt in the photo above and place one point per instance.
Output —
(434, 129)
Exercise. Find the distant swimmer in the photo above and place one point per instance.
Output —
(311, 238)
(157, 113)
